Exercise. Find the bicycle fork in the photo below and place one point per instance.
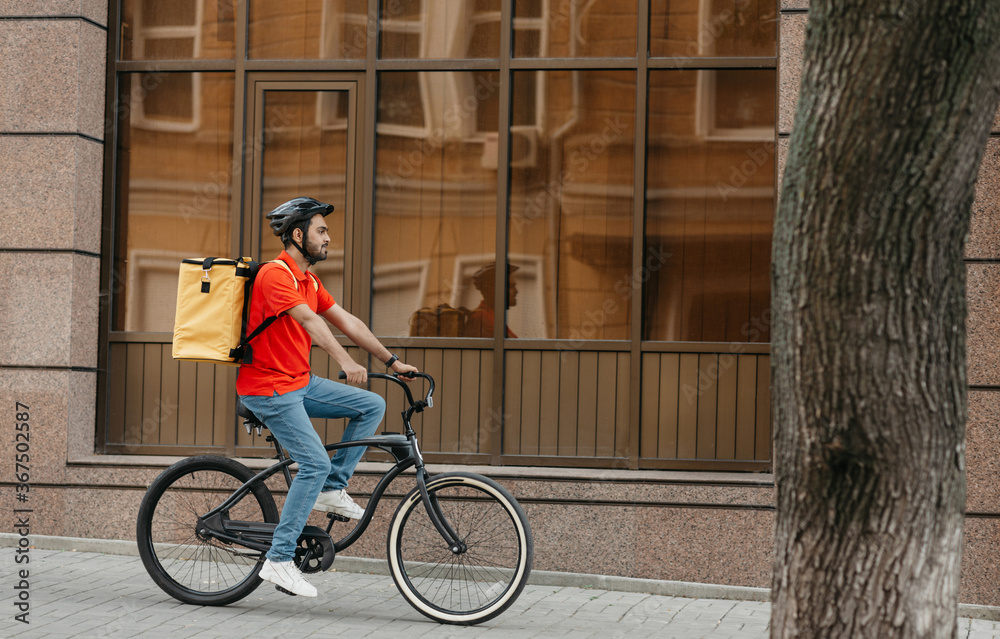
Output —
(455, 543)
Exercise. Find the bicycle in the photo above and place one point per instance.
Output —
(459, 546)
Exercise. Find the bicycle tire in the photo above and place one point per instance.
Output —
(191, 569)
(476, 585)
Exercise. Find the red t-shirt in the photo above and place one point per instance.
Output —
(281, 352)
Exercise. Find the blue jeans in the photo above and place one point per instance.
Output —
(287, 417)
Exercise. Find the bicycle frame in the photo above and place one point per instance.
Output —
(404, 449)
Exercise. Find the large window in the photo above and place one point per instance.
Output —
(435, 200)
(571, 202)
(713, 28)
(177, 30)
(174, 154)
(308, 29)
(561, 209)
(574, 29)
(434, 29)
(709, 204)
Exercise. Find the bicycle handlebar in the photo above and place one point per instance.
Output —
(428, 399)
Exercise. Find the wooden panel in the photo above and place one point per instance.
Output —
(169, 400)
(650, 422)
(489, 420)
(414, 357)
(451, 376)
(568, 374)
(548, 406)
(223, 417)
(606, 413)
(393, 396)
(513, 404)
(746, 406)
(150, 423)
(117, 374)
(204, 404)
(587, 391)
(433, 420)
(623, 408)
(668, 413)
(133, 393)
(468, 425)
(708, 395)
(695, 406)
(687, 407)
(531, 403)
(762, 449)
(187, 411)
(725, 445)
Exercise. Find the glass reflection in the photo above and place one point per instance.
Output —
(570, 228)
(693, 28)
(308, 29)
(709, 203)
(436, 29)
(175, 188)
(178, 30)
(435, 201)
(574, 28)
(304, 153)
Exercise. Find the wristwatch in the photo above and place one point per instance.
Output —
(392, 360)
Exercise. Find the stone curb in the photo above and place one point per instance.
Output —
(688, 590)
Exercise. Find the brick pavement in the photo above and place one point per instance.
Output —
(84, 595)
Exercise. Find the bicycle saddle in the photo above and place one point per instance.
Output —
(249, 419)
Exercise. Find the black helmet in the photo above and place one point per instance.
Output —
(284, 216)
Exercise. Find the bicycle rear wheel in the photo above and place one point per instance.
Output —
(472, 586)
(189, 567)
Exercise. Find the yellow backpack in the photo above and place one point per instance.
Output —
(213, 305)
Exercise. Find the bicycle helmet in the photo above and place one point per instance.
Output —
(286, 217)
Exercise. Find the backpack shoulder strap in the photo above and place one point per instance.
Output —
(280, 263)
(243, 352)
(295, 282)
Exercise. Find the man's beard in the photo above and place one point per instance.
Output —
(316, 251)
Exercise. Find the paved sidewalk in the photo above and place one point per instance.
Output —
(80, 595)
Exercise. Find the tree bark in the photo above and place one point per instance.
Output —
(868, 296)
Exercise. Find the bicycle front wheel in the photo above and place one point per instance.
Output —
(189, 567)
(474, 585)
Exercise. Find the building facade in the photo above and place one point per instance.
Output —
(620, 157)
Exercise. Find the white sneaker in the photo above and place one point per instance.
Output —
(287, 578)
(338, 501)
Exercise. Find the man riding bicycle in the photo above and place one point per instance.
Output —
(276, 384)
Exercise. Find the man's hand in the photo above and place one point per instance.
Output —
(400, 367)
(356, 373)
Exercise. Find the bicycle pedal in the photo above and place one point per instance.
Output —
(287, 592)
(337, 517)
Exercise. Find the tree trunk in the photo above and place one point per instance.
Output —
(868, 351)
